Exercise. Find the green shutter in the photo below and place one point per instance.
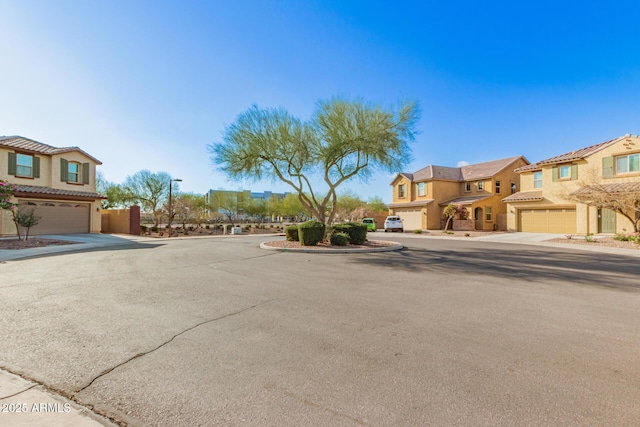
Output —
(554, 173)
(607, 167)
(12, 163)
(574, 171)
(36, 167)
(64, 170)
(85, 173)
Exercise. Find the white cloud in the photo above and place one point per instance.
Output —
(462, 163)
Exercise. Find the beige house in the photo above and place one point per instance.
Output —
(419, 198)
(59, 183)
(544, 203)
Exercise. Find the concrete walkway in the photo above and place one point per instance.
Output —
(83, 242)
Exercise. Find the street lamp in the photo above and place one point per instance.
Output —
(171, 181)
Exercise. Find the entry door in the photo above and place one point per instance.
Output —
(607, 221)
(477, 215)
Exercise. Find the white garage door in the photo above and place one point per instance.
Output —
(548, 220)
(411, 219)
(58, 217)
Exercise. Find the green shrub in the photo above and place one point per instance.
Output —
(339, 239)
(292, 233)
(357, 232)
(621, 237)
(154, 229)
(207, 226)
(589, 238)
(143, 228)
(311, 233)
(418, 231)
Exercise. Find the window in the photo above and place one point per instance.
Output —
(73, 174)
(565, 171)
(497, 187)
(421, 191)
(24, 165)
(480, 185)
(537, 179)
(402, 190)
(488, 214)
(514, 188)
(467, 187)
(630, 163)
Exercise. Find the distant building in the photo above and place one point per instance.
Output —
(238, 198)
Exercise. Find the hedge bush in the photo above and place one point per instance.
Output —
(339, 239)
(311, 233)
(292, 233)
(357, 232)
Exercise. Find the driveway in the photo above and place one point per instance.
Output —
(220, 332)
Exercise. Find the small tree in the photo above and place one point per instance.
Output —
(27, 220)
(452, 212)
(7, 192)
(150, 189)
(623, 198)
(376, 204)
(449, 213)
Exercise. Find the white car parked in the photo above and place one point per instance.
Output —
(393, 223)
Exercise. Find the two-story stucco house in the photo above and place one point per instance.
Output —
(59, 183)
(544, 203)
(419, 198)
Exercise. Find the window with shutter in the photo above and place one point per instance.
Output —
(12, 164)
(64, 170)
(85, 173)
(607, 167)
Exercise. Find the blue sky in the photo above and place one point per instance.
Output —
(160, 80)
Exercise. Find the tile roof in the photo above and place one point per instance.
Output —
(486, 169)
(613, 188)
(573, 155)
(22, 190)
(466, 200)
(524, 196)
(21, 143)
(410, 204)
(459, 174)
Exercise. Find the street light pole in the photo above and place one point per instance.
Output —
(171, 181)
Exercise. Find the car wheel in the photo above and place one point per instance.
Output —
(402, 230)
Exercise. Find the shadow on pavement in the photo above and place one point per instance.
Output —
(517, 262)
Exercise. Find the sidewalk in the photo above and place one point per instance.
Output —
(27, 404)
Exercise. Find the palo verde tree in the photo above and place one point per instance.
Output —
(344, 139)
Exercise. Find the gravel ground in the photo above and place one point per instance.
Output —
(33, 242)
(599, 241)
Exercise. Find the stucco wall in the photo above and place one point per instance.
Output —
(556, 194)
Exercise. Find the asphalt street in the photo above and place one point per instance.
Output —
(219, 332)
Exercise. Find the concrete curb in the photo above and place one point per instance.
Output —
(311, 249)
(26, 404)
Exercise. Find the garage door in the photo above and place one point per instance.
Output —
(548, 220)
(59, 217)
(411, 219)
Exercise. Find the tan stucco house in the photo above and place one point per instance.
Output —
(544, 203)
(59, 183)
(419, 198)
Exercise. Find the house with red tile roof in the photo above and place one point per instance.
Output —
(420, 198)
(58, 183)
(546, 202)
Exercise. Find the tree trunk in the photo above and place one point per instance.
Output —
(15, 221)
